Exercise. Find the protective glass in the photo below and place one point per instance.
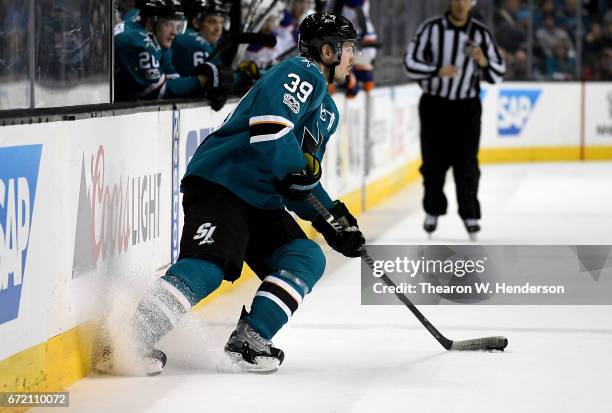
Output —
(351, 47)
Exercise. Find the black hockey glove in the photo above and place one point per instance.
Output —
(297, 185)
(220, 82)
(349, 240)
(217, 99)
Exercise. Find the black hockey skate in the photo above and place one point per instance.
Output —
(431, 223)
(472, 227)
(154, 362)
(150, 364)
(249, 352)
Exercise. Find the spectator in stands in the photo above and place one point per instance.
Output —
(144, 68)
(510, 34)
(300, 9)
(595, 40)
(362, 73)
(549, 35)
(263, 56)
(569, 18)
(561, 65)
(593, 44)
(603, 68)
(13, 26)
(286, 33)
(99, 50)
(63, 43)
(509, 31)
(607, 26)
(547, 7)
(516, 64)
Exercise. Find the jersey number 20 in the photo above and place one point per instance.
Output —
(150, 65)
(305, 88)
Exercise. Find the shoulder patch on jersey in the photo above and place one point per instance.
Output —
(150, 40)
(307, 62)
(119, 28)
(325, 114)
(292, 102)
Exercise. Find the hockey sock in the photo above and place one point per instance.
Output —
(194, 278)
(171, 296)
(157, 313)
(277, 298)
(301, 264)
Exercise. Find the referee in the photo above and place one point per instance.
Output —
(448, 56)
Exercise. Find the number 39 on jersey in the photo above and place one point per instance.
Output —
(303, 88)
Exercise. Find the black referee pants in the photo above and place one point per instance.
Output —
(450, 137)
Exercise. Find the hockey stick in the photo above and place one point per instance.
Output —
(254, 26)
(485, 343)
(249, 16)
(264, 16)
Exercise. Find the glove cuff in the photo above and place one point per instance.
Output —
(340, 212)
(211, 72)
(321, 225)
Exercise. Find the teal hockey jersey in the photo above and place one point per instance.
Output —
(286, 113)
(131, 19)
(189, 50)
(144, 70)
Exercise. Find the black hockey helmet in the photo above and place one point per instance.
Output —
(201, 8)
(167, 9)
(319, 29)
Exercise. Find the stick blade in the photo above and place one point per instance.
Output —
(496, 343)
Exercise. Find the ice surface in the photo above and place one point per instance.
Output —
(344, 357)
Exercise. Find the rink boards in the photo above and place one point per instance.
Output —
(84, 202)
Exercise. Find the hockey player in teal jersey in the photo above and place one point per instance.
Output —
(205, 21)
(265, 157)
(130, 14)
(143, 63)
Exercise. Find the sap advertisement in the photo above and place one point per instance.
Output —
(524, 114)
(19, 167)
(82, 205)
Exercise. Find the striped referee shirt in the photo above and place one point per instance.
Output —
(438, 43)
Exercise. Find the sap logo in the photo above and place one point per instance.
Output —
(18, 178)
(194, 139)
(515, 108)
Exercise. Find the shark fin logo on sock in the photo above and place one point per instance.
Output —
(19, 167)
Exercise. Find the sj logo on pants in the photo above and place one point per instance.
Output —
(205, 232)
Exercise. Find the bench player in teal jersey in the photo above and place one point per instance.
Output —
(265, 157)
(130, 14)
(143, 62)
(205, 23)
